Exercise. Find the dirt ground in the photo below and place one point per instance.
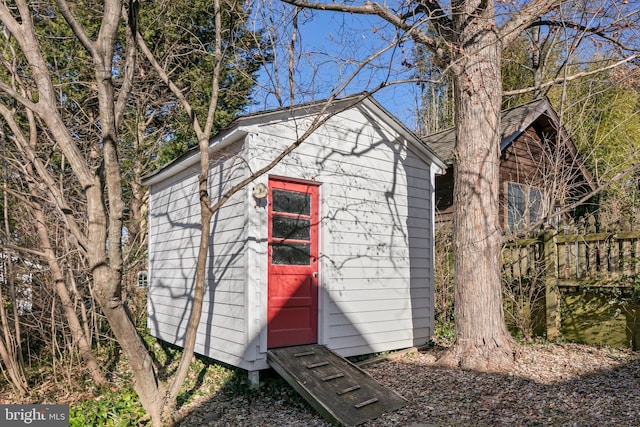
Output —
(549, 385)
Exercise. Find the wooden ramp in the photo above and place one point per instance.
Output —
(340, 391)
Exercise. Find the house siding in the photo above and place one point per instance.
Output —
(533, 145)
(376, 254)
(444, 197)
(376, 227)
(522, 162)
(174, 233)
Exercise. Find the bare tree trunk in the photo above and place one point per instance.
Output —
(106, 221)
(292, 56)
(78, 300)
(536, 63)
(27, 148)
(136, 203)
(149, 389)
(8, 348)
(77, 331)
(206, 213)
(482, 340)
(10, 343)
(16, 374)
(102, 187)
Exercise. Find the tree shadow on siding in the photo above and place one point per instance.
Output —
(182, 298)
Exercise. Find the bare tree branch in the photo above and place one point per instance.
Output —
(528, 14)
(76, 27)
(572, 77)
(371, 8)
(600, 32)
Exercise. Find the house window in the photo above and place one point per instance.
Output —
(524, 205)
(143, 279)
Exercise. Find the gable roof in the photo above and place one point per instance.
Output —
(236, 130)
(513, 122)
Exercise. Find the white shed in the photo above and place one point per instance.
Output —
(332, 246)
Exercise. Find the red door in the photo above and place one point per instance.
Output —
(293, 264)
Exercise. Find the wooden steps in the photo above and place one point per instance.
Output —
(340, 391)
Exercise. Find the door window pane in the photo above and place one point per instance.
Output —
(291, 202)
(286, 227)
(291, 253)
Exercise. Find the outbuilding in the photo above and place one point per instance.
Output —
(541, 170)
(333, 245)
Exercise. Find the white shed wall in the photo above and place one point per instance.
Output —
(174, 235)
(376, 230)
(376, 263)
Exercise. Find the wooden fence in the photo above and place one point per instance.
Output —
(574, 257)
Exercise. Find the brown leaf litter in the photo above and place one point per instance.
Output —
(549, 385)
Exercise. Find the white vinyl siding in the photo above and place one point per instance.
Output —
(375, 253)
(376, 263)
(174, 235)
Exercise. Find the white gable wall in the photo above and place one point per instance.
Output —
(376, 257)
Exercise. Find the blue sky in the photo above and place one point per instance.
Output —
(330, 47)
(332, 44)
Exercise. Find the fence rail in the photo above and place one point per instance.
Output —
(599, 259)
(573, 258)
(603, 258)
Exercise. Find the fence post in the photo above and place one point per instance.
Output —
(552, 293)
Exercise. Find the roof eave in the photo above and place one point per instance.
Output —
(543, 107)
(405, 132)
(192, 157)
(234, 132)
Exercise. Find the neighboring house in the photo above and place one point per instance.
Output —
(541, 171)
(23, 273)
(332, 246)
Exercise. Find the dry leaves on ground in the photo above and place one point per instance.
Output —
(550, 385)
